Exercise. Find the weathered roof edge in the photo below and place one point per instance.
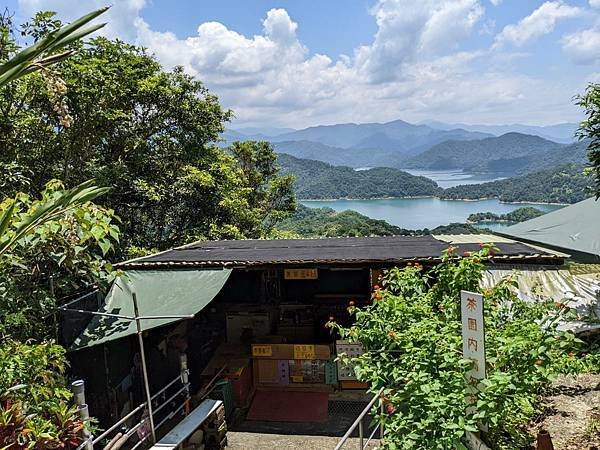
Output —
(132, 264)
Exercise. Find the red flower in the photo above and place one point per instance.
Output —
(378, 296)
(467, 254)
(376, 287)
(392, 334)
(451, 249)
(390, 408)
(331, 318)
(351, 303)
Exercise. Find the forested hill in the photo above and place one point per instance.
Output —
(319, 180)
(326, 222)
(506, 153)
(565, 184)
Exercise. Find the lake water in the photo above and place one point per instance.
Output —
(451, 178)
(419, 213)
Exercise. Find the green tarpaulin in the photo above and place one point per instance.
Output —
(574, 229)
(159, 293)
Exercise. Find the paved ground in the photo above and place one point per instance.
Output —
(259, 441)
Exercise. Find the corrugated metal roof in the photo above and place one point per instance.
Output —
(578, 290)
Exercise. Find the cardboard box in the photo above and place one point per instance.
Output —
(290, 351)
(266, 371)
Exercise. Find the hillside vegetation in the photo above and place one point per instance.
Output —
(506, 153)
(518, 215)
(565, 184)
(318, 180)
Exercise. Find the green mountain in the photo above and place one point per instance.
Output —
(507, 153)
(570, 154)
(565, 184)
(319, 180)
(326, 222)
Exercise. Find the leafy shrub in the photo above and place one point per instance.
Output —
(412, 338)
(55, 259)
(35, 412)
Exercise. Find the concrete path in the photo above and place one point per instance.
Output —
(259, 441)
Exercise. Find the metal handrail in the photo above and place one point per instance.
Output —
(359, 423)
(184, 389)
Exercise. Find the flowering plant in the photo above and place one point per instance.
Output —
(411, 333)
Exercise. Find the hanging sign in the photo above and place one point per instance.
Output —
(300, 274)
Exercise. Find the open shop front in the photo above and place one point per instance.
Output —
(257, 341)
(275, 342)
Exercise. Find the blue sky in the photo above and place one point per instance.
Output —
(307, 62)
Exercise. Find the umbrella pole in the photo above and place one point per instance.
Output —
(144, 367)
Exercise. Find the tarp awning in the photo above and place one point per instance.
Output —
(159, 293)
(573, 229)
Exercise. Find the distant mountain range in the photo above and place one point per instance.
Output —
(562, 132)
(367, 144)
(339, 156)
(437, 145)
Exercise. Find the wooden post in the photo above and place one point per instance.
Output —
(544, 441)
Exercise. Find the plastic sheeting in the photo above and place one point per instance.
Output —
(159, 293)
(579, 291)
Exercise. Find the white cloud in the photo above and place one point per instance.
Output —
(540, 22)
(413, 69)
(583, 47)
(407, 29)
(595, 3)
(495, 2)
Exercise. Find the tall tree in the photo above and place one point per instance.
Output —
(590, 128)
(150, 135)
